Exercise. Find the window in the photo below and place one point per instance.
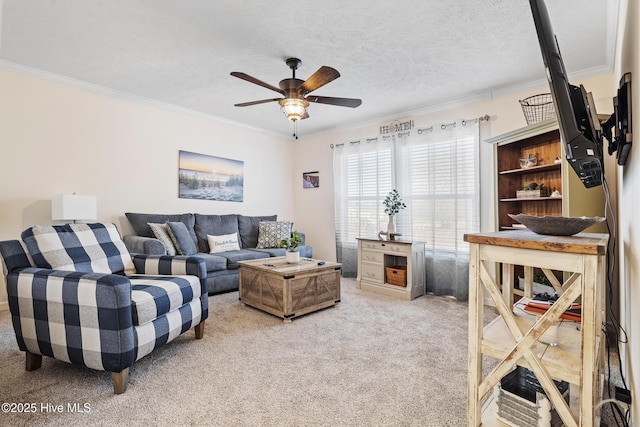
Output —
(437, 175)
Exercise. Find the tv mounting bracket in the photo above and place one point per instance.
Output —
(620, 142)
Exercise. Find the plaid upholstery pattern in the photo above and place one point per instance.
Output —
(165, 328)
(14, 256)
(87, 318)
(176, 266)
(80, 318)
(95, 248)
(153, 296)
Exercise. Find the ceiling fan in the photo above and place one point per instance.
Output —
(296, 92)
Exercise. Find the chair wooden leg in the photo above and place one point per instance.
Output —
(120, 380)
(33, 361)
(199, 330)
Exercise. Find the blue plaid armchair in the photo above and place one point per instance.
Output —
(81, 298)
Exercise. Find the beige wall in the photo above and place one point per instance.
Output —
(628, 60)
(57, 138)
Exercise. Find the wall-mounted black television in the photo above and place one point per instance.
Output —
(580, 129)
(577, 119)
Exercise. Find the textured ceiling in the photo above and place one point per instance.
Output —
(396, 56)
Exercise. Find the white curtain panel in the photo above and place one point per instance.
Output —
(362, 178)
(437, 174)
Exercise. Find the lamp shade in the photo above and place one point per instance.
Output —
(294, 108)
(71, 207)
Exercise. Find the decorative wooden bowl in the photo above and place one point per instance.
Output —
(556, 225)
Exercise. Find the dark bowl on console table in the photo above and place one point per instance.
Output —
(556, 225)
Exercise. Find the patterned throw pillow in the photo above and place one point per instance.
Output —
(270, 233)
(181, 238)
(87, 248)
(161, 231)
(223, 243)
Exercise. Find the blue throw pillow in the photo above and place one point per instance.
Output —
(181, 238)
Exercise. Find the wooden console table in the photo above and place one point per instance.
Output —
(513, 336)
(375, 257)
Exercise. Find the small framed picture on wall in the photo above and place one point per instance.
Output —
(311, 179)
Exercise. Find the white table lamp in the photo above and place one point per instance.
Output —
(72, 207)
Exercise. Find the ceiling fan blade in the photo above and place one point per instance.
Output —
(342, 102)
(262, 101)
(248, 78)
(318, 79)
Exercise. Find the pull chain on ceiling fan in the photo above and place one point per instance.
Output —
(295, 91)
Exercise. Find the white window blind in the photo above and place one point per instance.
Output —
(365, 178)
(440, 183)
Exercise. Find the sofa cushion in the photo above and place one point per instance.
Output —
(226, 242)
(272, 232)
(140, 222)
(86, 248)
(213, 262)
(181, 238)
(242, 255)
(271, 251)
(153, 296)
(161, 232)
(214, 225)
(248, 226)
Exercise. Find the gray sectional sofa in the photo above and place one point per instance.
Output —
(222, 267)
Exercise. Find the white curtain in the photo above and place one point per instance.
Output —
(437, 175)
(362, 173)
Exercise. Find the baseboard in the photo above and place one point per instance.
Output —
(4, 305)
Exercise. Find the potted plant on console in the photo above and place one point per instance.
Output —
(290, 244)
(392, 205)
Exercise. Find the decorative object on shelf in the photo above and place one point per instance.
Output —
(529, 162)
(392, 205)
(531, 191)
(290, 244)
(389, 236)
(538, 108)
(556, 225)
(555, 193)
(558, 160)
(523, 401)
(397, 275)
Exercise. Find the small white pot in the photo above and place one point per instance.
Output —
(293, 257)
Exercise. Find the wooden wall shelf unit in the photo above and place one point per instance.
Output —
(515, 337)
(376, 256)
(540, 140)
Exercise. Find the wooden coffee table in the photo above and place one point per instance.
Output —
(289, 290)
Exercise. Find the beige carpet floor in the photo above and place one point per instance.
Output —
(368, 361)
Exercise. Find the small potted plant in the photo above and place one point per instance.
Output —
(290, 244)
(392, 205)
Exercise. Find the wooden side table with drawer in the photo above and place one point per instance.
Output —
(391, 267)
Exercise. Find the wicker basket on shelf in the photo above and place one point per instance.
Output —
(397, 275)
(538, 108)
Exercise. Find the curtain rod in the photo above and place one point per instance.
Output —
(463, 122)
(443, 126)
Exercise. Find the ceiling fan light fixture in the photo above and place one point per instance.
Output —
(294, 108)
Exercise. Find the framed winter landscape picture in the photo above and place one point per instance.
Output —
(209, 177)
